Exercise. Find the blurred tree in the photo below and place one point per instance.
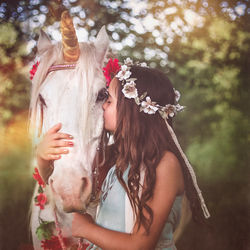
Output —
(14, 88)
(212, 69)
(141, 29)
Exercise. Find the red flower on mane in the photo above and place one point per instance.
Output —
(33, 70)
(111, 69)
(53, 243)
(38, 178)
(41, 200)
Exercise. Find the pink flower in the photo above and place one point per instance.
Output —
(38, 178)
(33, 70)
(41, 200)
(111, 69)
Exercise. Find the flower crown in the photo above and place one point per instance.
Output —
(130, 91)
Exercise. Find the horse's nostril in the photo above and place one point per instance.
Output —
(51, 184)
(84, 182)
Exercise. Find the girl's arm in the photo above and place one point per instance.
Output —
(169, 183)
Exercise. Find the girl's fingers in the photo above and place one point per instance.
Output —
(57, 151)
(55, 154)
(57, 136)
(55, 128)
(61, 143)
(53, 157)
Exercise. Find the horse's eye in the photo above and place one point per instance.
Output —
(42, 100)
(102, 95)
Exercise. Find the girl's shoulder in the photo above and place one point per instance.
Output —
(169, 168)
(169, 160)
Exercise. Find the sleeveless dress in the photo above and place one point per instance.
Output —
(112, 211)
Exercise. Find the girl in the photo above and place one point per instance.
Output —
(140, 202)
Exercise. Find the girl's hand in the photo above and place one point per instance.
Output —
(52, 145)
(80, 224)
(50, 148)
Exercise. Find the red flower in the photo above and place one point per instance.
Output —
(33, 70)
(53, 243)
(41, 200)
(38, 178)
(111, 69)
(85, 246)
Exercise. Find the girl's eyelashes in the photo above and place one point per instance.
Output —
(102, 95)
(109, 99)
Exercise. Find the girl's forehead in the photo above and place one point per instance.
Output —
(113, 87)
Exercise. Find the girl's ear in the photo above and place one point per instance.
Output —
(102, 45)
(44, 43)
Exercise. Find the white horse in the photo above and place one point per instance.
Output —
(68, 87)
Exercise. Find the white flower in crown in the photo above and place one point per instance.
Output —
(128, 61)
(148, 106)
(129, 90)
(178, 107)
(124, 73)
(168, 110)
(177, 95)
(143, 64)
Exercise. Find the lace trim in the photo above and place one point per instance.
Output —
(108, 184)
(165, 244)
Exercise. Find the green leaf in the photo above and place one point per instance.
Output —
(45, 230)
(40, 190)
(137, 101)
(143, 96)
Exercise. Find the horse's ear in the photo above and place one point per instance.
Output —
(43, 42)
(102, 45)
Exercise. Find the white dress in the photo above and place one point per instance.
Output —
(115, 212)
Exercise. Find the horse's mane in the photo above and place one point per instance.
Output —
(50, 57)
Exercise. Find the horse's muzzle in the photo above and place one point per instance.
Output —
(74, 197)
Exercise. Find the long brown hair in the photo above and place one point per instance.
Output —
(140, 141)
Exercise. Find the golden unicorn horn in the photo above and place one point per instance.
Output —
(70, 43)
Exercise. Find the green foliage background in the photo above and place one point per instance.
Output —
(207, 61)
